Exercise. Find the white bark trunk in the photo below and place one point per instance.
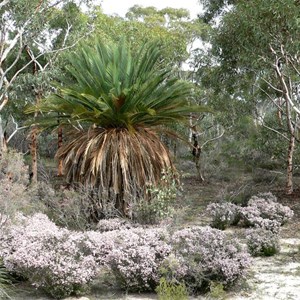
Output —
(289, 181)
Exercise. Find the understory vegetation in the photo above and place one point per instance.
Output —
(48, 240)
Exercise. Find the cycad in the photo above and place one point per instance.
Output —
(119, 99)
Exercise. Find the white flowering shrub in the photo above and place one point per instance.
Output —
(205, 254)
(262, 242)
(101, 245)
(263, 207)
(269, 208)
(137, 256)
(113, 224)
(223, 214)
(52, 258)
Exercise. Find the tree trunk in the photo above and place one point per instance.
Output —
(3, 144)
(197, 155)
(289, 181)
(33, 151)
(34, 145)
(59, 144)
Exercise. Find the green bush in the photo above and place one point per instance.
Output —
(4, 282)
(160, 204)
(15, 193)
(262, 242)
(171, 290)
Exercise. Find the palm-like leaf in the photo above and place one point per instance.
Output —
(116, 89)
(122, 95)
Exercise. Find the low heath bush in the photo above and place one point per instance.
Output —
(52, 258)
(204, 255)
(137, 256)
(264, 211)
(262, 242)
(223, 214)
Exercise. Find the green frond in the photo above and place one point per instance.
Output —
(115, 88)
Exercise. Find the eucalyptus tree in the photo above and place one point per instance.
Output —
(256, 48)
(32, 35)
(172, 28)
(118, 102)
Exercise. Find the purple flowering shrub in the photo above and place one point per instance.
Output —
(63, 262)
(223, 214)
(262, 242)
(205, 254)
(137, 256)
(52, 258)
(265, 206)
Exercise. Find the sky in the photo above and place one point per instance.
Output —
(120, 7)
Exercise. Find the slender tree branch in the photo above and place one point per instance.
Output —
(16, 130)
(271, 98)
(274, 130)
(3, 74)
(4, 2)
(272, 86)
(213, 139)
(290, 60)
(4, 101)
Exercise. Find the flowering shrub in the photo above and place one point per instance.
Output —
(205, 254)
(136, 258)
(264, 207)
(101, 244)
(262, 242)
(269, 208)
(223, 214)
(52, 258)
(113, 224)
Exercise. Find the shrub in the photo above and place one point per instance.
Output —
(4, 282)
(216, 291)
(14, 193)
(161, 200)
(113, 224)
(264, 207)
(101, 245)
(13, 168)
(52, 258)
(171, 290)
(137, 256)
(269, 208)
(205, 254)
(223, 214)
(66, 207)
(262, 242)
